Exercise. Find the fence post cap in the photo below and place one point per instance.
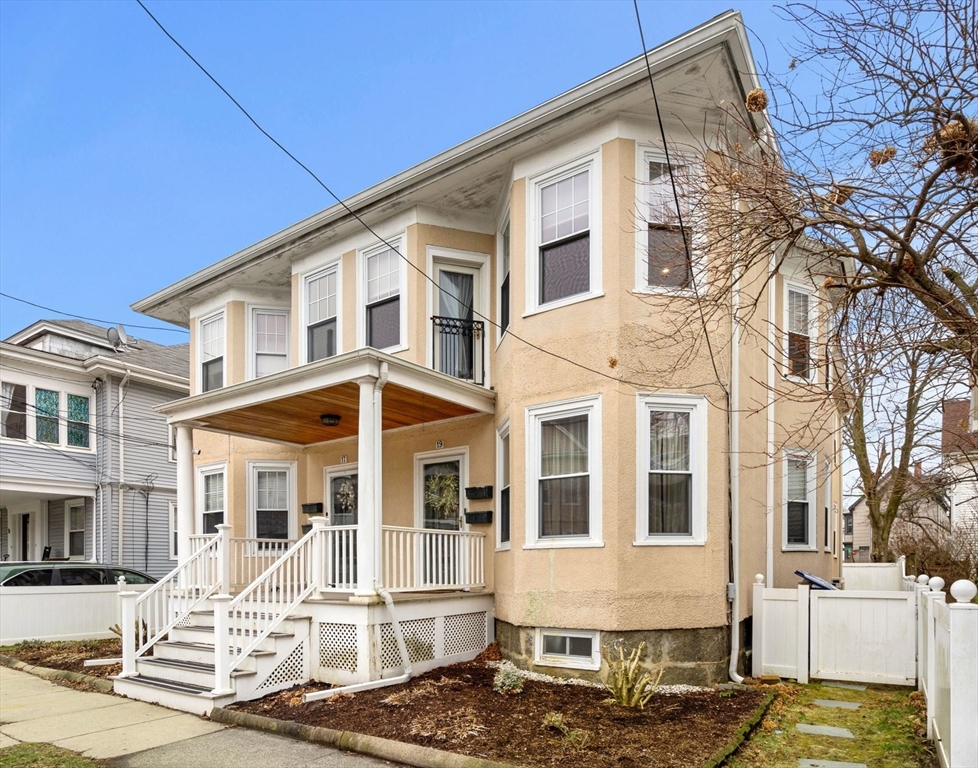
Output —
(759, 578)
(963, 591)
(936, 584)
(923, 578)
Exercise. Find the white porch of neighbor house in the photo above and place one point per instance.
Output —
(345, 604)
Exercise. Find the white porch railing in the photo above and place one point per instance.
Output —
(417, 559)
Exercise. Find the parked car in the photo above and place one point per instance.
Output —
(67, 574)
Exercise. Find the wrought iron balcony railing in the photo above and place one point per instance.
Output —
(458, 348)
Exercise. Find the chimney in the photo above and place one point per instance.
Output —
(918, 470)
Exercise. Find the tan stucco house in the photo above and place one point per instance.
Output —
(459, 370)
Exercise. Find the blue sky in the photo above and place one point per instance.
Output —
(123, 169)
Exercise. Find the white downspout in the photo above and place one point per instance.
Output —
(122, 461)
(401, 647)
(772, 365)
(735, 483)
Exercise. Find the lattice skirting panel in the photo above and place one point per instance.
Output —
(434, 639)
(290, 671)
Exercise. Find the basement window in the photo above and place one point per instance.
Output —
(574, 649)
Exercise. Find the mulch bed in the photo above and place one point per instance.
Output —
(70, 655)
(454, 708)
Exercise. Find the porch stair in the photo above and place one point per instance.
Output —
(181, 675)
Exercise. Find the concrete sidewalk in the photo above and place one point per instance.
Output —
(133, 734)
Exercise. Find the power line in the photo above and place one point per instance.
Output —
(93, 319)
(369, 229)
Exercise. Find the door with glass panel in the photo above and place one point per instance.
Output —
(457, 329)
(441, 510)
(342, 499)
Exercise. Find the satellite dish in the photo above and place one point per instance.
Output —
(117, 337)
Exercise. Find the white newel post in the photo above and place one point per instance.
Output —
(964, 674)
(370, 503)
(185, 491)
(222, 644)
(319, 543)
(127, 625)
(224, 558)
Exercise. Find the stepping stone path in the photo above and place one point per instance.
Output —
(847, 686)
(825, 730)
(837, 704)
(831, 731)
(802, 763)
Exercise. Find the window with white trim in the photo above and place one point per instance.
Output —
(382, 267)
(75, 529)
(502, 481)
(799, 501)
(271, 341)
(564, 479)
(672, 449)
(322, 307)
(504, 246)
(211, 498)
(13, 410)
(212, 353)
(51, 409)
(798, 307)
(270, 504)
(667, 253)
(572, 648)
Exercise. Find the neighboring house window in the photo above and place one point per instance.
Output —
(321, 311)
(212, 509)
(669, 265)
(502, 452)
(271, 330)
(75, 529)
(504, 285)
(383, 298)
(46, 425)
(672, 453)
(576, 649)
(13, 410)
(271, 493)
(174, 535)
(78, 416)
(171, 441)
(799, 334)
(565, 240)
(564, 483)
(212, 353)
(799, 503)
(847, 521)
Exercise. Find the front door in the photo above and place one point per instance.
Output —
(342, 501)
(25, 537)
(441, 510)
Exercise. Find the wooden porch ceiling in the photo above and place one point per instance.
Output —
(295, 419)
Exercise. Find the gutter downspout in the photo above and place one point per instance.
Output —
(769, 483)
(122, 460)
(401, 647)
(734, 411)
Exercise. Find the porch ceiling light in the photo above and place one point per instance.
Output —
(330, 419)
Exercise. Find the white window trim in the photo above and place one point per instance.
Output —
(202, 471)
(698, 408)
(63, 392)
(251, 494)
(446, 454)
(335, 265)
(567, 662)
(398, 242)
(697, 243)
(200, 349)
(171, 442)
(812, 334)
(171, 511)
(69, 505)
(535, 416)
(591, 162)
(829, 537)
(498, 289)
(251, 330)
(501, 433)
(812, 496)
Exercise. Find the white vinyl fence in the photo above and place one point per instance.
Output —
(59, 613)
(907, 636)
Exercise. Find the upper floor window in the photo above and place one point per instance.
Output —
(504, 283)
(382, 268)
(271, 342)
(669, 265)
(212, 353)
(13, 410)
(672, 469)
(60, 418)
(799, 342)
(47, 425)
(321, 315)
(564, 474)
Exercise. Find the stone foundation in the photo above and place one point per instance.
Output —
(685, 656)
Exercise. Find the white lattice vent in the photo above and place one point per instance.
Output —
(419, 639)
(465, 632)
(338, 646)
(290, 670)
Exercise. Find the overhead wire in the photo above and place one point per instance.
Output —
(368, 228)
(94, 319)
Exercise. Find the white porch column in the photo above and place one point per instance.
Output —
(185, 490)
(370, 517)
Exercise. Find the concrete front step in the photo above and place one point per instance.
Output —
(184, 672)
(187, 698)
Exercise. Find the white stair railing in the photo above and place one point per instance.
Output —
(148, 616)
(251, 557)
(417, 559)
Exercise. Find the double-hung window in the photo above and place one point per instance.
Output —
(271, 509)
(564, 482)
(799, 502)
(565, 237)
(212, 506)
(382, 268)
(321, 311)
(668, 261)
(78, 418)
(502, 454)
(799, 341)
(212, 353)
(504, 283)
(13, 410)
(271, 341)
(672, 449)
(47, 428)
(75, 529)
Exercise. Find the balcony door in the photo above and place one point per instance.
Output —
(458, 309)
